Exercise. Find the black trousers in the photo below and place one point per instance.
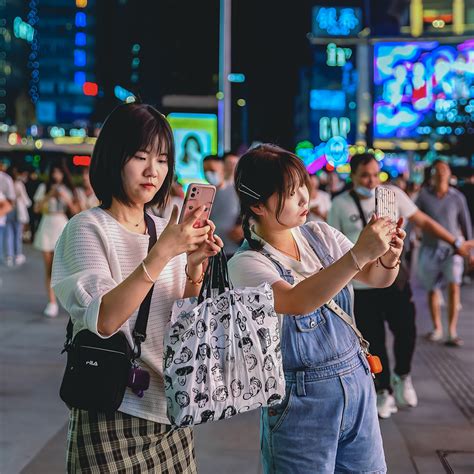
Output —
(394, 305)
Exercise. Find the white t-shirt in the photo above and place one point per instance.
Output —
(93, 255)
(345, 216)
(323, 202)
(250, 268)
(7, 191)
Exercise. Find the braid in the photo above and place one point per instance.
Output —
(254, 244)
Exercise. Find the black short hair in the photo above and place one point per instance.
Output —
(130, 128)
(361, 159)
(213, 158)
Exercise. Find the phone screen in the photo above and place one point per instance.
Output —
(386, 203)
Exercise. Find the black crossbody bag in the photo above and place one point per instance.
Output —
(99, 370)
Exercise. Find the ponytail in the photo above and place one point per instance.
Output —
(254, 244)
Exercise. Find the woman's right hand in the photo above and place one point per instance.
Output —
(181, 238)
(374, 240)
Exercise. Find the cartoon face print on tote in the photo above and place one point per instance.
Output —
(219, 344)
(182, 399)
(204, 351)
(265, 339)
(228, 413)
(217, 373)
(254, 388)
(201, 374)
(201, 398)
(185, 356)
(207, 415)
(236, 386)
(201, 328)
(168, 357)
(183, 372)
(220, 394)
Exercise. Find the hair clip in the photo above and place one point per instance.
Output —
(249, 192)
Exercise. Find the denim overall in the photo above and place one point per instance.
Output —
(328, 420)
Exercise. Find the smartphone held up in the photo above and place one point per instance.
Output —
(198, 195)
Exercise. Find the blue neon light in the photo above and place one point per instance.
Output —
(323, 99)
(336, 21)
(79, 77)
(79, 57)
(81, 20)
(80, 39)
(122, 93)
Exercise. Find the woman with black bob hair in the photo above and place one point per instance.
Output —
(327, 421)
(102, 271)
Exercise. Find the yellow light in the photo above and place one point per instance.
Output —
(24, 141)
(39, 144)
(241, 102)
(219, 95)
(352, 150)
(383, 176)
(90, 140)
(345, 168)
(12, 139)
(360, 149)
(81, 3)
(68, 140)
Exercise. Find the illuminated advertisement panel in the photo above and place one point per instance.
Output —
(195, 137)
(423, 88)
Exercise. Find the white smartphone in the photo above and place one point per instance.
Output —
(386, 203)
(197, 195)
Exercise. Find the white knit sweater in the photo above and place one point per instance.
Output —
(94, 254)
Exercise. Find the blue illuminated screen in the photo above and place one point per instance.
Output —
(336, 21)
(324, 99)
(423, 88)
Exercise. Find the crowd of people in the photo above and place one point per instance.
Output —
(314, 239)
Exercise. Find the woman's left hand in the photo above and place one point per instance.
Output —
(396, 245)
(210, 247)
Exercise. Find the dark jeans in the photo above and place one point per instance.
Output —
(371, 309)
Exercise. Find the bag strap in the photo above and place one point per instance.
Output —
(139, 332)
(354, 196)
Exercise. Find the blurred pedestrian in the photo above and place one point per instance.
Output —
(226, 210)
(327, 421)
(372, 307)
(7, 202)
(319, 201)
(102, 272)
(438, 261)
(335, 185)
(54, 200)
(17, 218)
(31, 185)
(85, 194)
(230, 163)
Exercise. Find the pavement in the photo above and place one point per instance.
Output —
(436, 437)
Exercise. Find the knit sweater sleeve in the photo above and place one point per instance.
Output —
(81, 271)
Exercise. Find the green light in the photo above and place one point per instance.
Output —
(220, 95)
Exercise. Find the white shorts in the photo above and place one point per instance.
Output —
(49, 231)
(438, 266)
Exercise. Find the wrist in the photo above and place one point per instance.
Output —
(193, 269)
(360, 256)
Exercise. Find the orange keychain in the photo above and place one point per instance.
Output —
(375, 363)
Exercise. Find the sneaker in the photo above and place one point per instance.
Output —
(9, 262)
(20, 259)
(385, 404)
(51, 310)
(454, 342)
(434, 336)
(404, 391)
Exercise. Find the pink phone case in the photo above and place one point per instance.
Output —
(198, 194)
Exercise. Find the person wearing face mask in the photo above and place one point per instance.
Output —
(372, 307)
(226, 210)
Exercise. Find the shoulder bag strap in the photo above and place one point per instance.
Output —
(139, 332)
(354, 196)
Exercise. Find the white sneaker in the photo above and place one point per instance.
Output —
(385, 404)
(404, 391)
(20, 259)
(51, 310)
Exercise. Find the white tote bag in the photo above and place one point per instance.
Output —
(222, 353)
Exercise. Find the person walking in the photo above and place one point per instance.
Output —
(7, 201)
(438, 263)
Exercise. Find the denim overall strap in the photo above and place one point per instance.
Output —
(319, 247)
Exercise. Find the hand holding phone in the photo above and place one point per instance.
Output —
(197, 195)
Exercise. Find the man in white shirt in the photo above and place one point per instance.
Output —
(7, 200)
(372, 307)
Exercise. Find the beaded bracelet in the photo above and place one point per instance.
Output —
(354, 258)
(198, 282)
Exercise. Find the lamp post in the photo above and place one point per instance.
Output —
(224, 96)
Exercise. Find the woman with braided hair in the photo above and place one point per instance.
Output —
(327, 421)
